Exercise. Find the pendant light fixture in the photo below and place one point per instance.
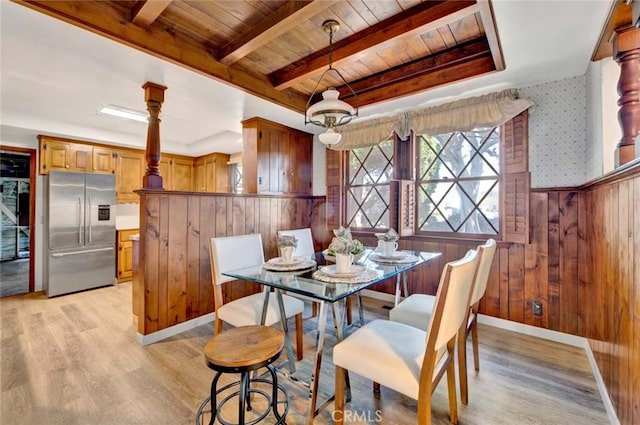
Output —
(330, 112)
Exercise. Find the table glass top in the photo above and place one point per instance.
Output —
(302, 281)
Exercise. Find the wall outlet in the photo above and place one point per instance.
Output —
(536, 306)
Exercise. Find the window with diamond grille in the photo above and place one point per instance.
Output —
(459, 182)
(235, 174)
(369, 174)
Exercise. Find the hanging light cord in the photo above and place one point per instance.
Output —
(331, 48)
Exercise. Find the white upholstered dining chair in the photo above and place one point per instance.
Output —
(416, 310)
(305, 241)
(407, 359)
(235, 252)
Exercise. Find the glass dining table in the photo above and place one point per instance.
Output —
(320, 282)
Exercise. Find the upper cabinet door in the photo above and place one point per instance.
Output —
(54, 156)
(103, 160)
(183, 174)
(130, 168)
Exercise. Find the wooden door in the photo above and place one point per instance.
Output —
(130, 168)
(300, 163)
(81, 158)
(103, 160)
(125, 254)
(201, 175)
(274, 138)
(183, 171)
(54, 156)
(165, 172)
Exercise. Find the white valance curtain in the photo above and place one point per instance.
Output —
(489, 110)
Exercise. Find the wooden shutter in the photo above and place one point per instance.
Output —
(335, 184)
(516, 180)
(407, 210)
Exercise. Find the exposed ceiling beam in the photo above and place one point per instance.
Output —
(469, 68)
(145, 12)
(488, 22)
(442, 61)
(419, 19)
(282, 20)
(111, 21)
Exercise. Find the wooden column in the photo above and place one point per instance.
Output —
(626, 49)
(153, 96)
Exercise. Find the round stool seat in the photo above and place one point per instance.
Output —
(244, 348)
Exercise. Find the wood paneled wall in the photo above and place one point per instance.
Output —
(609, 270)
(545, 270)
(175, 227)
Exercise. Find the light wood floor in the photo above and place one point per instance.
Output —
(74, 360)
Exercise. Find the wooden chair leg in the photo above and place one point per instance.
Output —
(338, 409)
(299, 332)
(474, 341)
(451, 386)
(314, 309)
(376, 387)
(462, 366)
(424, 407)
(217, 326)
(349, 314)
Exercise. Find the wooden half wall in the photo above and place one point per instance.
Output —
(610, 272)
(174, 276)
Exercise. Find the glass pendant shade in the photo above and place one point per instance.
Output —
(329, 137)
(330, 111)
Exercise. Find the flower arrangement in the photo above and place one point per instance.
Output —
(287, 240)
(343, 243)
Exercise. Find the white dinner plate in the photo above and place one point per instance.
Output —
(279, 261)
(332, 271)
(396, 255)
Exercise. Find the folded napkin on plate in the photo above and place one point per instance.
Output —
(287, 240)
(342, 232)
(390, 236)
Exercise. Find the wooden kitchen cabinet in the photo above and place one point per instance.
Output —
(212, 173)
(177, 172)
(130, 169)
(183, 174)
(59, 154)
(275, 158)
(103, 160)
(125, 254)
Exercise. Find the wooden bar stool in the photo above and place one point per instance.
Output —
(242, 350)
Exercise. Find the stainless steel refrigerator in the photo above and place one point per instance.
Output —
(80, 233)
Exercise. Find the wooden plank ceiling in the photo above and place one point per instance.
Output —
(277, 49)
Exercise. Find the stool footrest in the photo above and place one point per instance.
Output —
(244, 396)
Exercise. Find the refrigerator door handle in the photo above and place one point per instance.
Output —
(64, 254)
(90, 212)
(79, 221)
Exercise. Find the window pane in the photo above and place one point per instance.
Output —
(368, 192)
(368, 207)
(371, 165)
(459, 175)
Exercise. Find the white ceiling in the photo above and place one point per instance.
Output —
(55, 76)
